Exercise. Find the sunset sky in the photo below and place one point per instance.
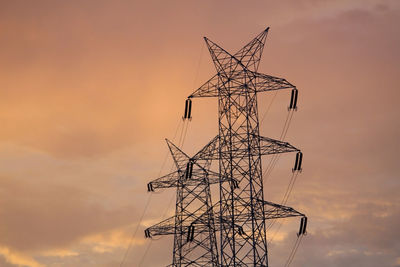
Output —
(89, 90)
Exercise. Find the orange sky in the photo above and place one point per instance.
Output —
(89, 90)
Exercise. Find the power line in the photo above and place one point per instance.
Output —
(148, 201)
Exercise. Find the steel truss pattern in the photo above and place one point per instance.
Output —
(232, 232)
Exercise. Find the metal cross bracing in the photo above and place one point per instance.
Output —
(240, 214)
(193, 223)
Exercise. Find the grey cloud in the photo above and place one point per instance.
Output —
(369, 237)
(44, 216)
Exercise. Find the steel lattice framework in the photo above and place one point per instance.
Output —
(240, 214)
(193, 225)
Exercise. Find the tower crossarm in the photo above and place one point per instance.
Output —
(263, 82)
(277, 211)
(270, 146)
(166, 181)
(258, 82)
(271, 211)
(171, 180)
(165, 227)
(208, 89)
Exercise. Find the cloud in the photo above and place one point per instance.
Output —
(112, 240)
(49, 216)
(66, 209)
(16, 258)
(369, 236)
(60, 253)
(89, 92)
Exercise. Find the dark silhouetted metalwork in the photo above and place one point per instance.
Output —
(241, 212)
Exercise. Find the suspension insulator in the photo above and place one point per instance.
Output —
(150, 187)
(297, 163)
(303, 226)
(188, 109)
(147, 233)
(190, 235)
(234, 184)
(304, 232)
(293, 99)
(240, 231)
(300, 161)
(189, 170)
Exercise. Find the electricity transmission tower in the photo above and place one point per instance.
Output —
(231, 232)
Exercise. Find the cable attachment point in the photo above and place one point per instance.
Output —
(150, 187)
(293, 99)
(241, 231)
(297, 163)
(235, 184)
(190, 236)
(188, 110)
(147, 233)
(303, 226)
(189, 170)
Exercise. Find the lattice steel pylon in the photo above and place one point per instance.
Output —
(242, 210)
(193, 223)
